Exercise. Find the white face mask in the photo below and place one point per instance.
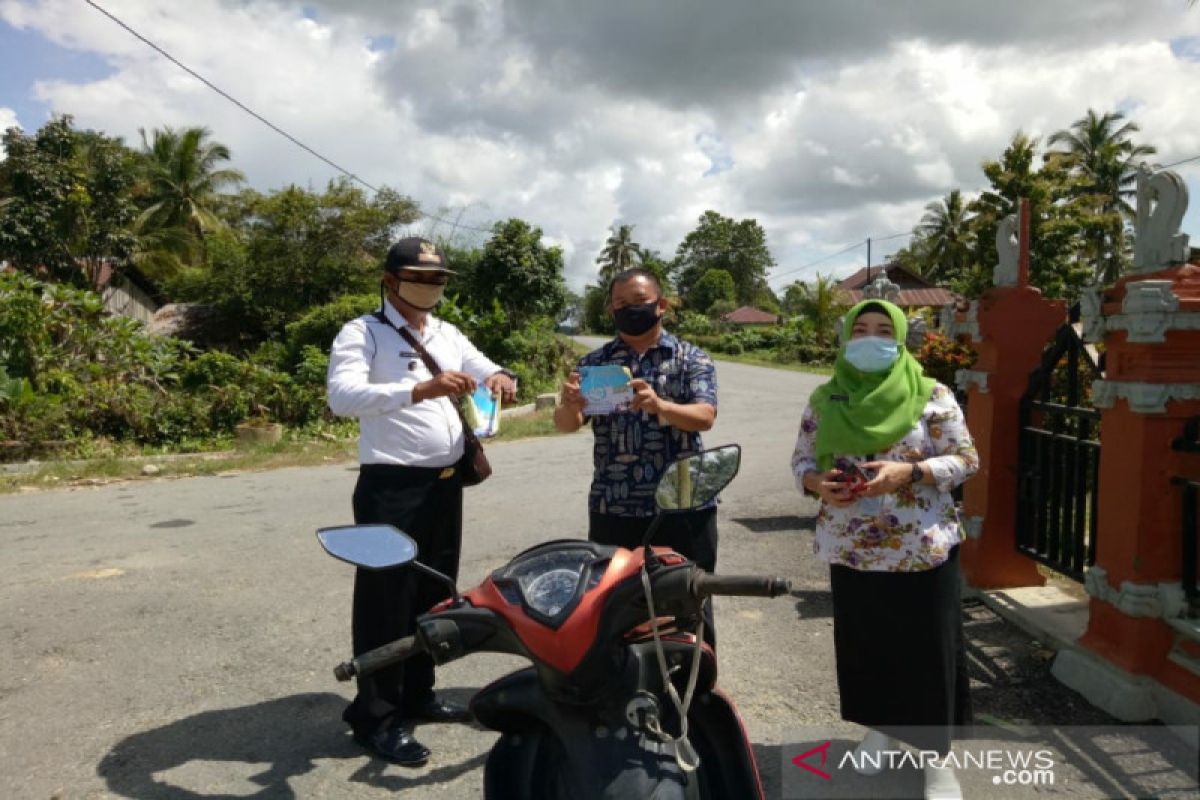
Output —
(872, 353)
(421, 296)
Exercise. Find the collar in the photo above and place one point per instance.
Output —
(432, 323)
(665, 342)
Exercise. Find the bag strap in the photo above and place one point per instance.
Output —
(431, 365)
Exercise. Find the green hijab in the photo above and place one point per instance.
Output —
(861, 413)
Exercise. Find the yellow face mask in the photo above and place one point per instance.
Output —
(422, 296)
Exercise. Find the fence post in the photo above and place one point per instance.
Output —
(1150, 325)
(1008, 326)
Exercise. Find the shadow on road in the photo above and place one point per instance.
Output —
(813, 603)
(783, 523)
(288, 735)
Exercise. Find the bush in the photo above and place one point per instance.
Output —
(77, 375)
(320, 326)
(942, 357)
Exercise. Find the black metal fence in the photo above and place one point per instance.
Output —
(1189, 442)
(1059, 457)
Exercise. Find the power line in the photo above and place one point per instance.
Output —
(1177, 163)
(843, 251)
(258, 116)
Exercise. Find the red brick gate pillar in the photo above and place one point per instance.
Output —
(1150, 325)
(1009, 326)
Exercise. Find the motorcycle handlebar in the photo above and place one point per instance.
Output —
(377, 659)
(706, 585)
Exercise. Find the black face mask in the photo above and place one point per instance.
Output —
(636, 320)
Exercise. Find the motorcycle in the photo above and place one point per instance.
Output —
(620, 700)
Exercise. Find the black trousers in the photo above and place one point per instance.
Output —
(692, 534)
(387, 602)
(901, 655)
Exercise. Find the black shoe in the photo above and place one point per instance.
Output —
(395, 744)
(438, 710)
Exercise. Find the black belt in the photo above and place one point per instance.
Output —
(401, 471)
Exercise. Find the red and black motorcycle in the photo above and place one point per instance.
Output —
(621, 698)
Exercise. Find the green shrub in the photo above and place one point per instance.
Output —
(942, 357)
(320, 326)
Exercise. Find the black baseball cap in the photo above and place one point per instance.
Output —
(416, 253)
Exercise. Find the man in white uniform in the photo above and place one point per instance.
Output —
(410, 439)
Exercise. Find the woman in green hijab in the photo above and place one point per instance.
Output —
(882, 446)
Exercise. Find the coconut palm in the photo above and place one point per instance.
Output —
(182, 178)
(619, 254)
(823, 302)
(946, 236)
(1099, 153)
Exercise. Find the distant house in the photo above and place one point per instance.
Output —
(915, 291)
(128, 293)
(749, 316)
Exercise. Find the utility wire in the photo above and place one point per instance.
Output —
(843, 251)
(256, 115)
(1177, 163)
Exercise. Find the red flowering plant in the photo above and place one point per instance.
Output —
(942, 357)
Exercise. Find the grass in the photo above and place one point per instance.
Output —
(760, 361)
(745, 358)
(296, 450)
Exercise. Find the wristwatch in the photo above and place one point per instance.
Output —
(918, 474)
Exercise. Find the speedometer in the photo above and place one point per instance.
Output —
(551, 591)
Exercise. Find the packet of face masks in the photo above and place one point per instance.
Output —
(482, 412)
(605, 389)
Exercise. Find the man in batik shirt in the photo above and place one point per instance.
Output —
(675, 398)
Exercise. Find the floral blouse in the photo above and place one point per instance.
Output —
(913, 528)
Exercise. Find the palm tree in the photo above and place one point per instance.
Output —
(823, 303)
(182, 179)
(945, 234)
(620, 253)
(1100, 155)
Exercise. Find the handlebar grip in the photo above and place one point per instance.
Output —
(377, 659)
(708, 585)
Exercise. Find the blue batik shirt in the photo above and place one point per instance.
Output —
(632, 450)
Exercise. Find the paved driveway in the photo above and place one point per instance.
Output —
(175, 639)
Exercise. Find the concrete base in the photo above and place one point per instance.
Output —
(1049, 614)
(1127, 697)
(518, 411)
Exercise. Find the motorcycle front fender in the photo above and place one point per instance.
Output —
(551, 751)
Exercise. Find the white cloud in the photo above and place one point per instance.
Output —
(8, 119)
(826, 122)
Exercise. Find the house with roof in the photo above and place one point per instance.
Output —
(749, 316)
(914, 291)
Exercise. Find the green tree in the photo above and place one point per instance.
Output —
(1056, 266)
(596, 318)
(65, 202)
(524, 275)
(739, 248)
(1097, 149)
(823, 303)
(714, 285)
(619, 254)
(793, 298)
(946, 231)
(653, 261)
(293, 250)
(182, 175)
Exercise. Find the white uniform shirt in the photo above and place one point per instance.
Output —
(372, 372)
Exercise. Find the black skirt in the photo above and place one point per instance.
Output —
(901, 657)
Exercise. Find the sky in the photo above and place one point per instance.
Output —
(828, 122)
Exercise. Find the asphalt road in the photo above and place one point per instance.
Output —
(175, 638)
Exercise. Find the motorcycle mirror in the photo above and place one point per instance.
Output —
(368, 546)
(695, 480)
